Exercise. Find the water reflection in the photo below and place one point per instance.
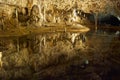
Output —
(72, 53)
(52, 40)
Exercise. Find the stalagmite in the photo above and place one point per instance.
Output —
(75, 17)
(1, 60)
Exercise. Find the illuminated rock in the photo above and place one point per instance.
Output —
(1, 63)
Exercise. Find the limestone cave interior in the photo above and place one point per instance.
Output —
(59, 39)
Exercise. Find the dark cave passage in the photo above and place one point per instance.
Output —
(109, 20)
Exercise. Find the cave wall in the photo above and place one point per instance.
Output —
(58, 8)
